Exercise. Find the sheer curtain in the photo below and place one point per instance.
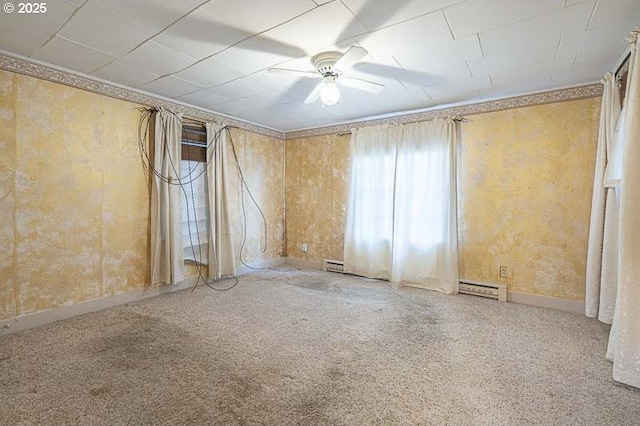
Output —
(602, 256)
(166, 203)
(401, 214)
(626, 328)
(221, 257)
(425, 239)
(369, 225)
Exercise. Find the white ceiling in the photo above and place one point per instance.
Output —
(428, 53)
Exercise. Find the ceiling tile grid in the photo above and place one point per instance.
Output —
(215, 54)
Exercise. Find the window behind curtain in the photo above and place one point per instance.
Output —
(195, 207)
(401, 215)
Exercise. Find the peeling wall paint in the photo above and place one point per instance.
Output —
(525, 180)
(74, 200)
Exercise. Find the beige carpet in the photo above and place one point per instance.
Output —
(314, 348)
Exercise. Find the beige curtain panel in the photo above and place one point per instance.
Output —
(166, 202)
(221, 256)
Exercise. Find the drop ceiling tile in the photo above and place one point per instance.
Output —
(276, 117)
(200, 34)
(298, 92)
(39, 25)
(257, 53)
(20, 42)
(273, 81)
(508, 89)
(235, 108)
(392, 99)
(171, 87)
(237, 89)
(253, 17)
(610, 12)
(398, 40)
(528, 79)
(458, 91)
(508, 61)
(441, 61)
(303, 61)
(209, 73)
(599, 43)
(482, 15)
(320, 27)
(315, 111)
(157, 59)
(375, 14)
(125, 74)
(268, 99)
(101, 29)
(203, 99)
(152, 14)
(68, 54)
(515, 39)
(583, 71)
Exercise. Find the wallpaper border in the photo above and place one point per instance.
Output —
(84, 82)
(562, 95)
(45, 72)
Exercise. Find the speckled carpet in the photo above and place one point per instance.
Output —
(308, 347)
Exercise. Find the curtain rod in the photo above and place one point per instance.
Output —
(624, 62)
(457, 119)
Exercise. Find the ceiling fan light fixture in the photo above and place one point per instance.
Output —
(330, 93)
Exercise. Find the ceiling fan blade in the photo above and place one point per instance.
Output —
(315, 94)
(299, 73)
(353, 55)
(358, 83)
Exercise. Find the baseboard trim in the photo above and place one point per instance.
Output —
(304, 264)
(37, 319)
(574, 306)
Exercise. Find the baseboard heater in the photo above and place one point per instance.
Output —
(333, 266)
(489, 290)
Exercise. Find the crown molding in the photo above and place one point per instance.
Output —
(42, 71)
(33, 68)
(562, 95)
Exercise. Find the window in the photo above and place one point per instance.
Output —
(195, 206)
(401, 212)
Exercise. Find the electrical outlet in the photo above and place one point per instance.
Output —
(304, 248)
(504, 272)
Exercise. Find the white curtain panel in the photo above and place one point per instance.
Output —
(602, 268)
(425, 240)
(166, 202)
(401, 213)
(221, 257)
(369, 225)
(626, 328)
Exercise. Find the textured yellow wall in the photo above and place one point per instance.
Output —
(74, 197)
(74, 201)
(525, 184)
(316, 176)
(262, 162)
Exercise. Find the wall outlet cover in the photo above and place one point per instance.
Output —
(504, 272)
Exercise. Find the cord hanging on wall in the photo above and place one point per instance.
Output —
(211, 146)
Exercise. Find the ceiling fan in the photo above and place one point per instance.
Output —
(331, 68)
